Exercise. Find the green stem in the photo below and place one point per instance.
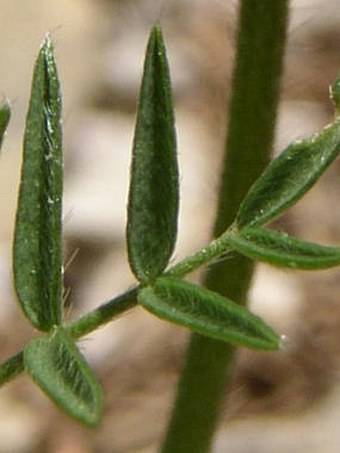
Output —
(103, 314)
(255, 95)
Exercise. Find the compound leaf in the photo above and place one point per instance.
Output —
(290, 176)
(283, 250)
(56, 365)
(207, 313)
(153, 195)
(37, 259)
(5, 115)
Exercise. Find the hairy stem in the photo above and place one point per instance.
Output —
(255, 95)
(115, 307)
(105, 312)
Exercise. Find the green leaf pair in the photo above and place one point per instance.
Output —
(53, 361)
(282, 184)
(152, 221)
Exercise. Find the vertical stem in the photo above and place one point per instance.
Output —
(252, 117)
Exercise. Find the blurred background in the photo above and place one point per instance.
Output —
(285, 402)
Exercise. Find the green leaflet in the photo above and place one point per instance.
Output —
(58, 368)
(5, 115)
(289, 176)
(207, 313)
(37, 259)
(153, 195)
(283, 250)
